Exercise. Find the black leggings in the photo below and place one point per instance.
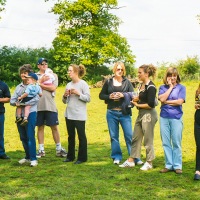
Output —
(72, 126)
(197, 140)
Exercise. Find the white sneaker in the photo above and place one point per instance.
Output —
(34, 163)
(24, 160)
(41, 153)
(146, 166)
(116, 162)
(139, 162)
(61, 153)
(127, 164)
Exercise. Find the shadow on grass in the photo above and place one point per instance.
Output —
(98, 178)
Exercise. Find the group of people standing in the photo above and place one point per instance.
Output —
(117, 92)
(35, 106)
(120, 97)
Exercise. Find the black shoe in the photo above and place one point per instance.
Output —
(68, 160)
(4, 156)
(196, 177)
(78, 162)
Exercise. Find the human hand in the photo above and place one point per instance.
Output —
(44, 78)
(74, 91)
(135, 99)
(169, 81)
(134, 103)
(116, 96)
(197, 106)
(17, 103)
(67, 93)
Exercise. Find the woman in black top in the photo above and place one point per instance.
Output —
(117, 93)
(197, 133)
(146, 120)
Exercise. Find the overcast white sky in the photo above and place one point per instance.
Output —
(157, 30)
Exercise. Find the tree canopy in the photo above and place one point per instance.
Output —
(2, 4)
(88, 34)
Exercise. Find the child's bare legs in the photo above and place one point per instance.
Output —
(19, 114)
(26, 112)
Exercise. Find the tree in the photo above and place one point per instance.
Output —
(88, 34)
(2, 4)
(11, 58)
(189, 67)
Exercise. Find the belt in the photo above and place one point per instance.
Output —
(117, 109)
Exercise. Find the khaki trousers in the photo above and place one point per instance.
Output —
(144, 127)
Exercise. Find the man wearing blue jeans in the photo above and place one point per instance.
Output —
(4, 98)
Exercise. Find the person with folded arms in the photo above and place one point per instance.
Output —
(172, 95)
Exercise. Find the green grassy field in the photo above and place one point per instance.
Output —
(98, 178)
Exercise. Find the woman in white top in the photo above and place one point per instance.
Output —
(76, 95)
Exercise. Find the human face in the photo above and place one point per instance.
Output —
(172, 79)
(119, 71)
(71, 72)
(43, 66)
(22, 75)
(30, 80)
(142, 75)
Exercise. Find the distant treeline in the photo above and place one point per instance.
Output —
(11, 58)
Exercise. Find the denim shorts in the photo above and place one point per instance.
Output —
(47, 118)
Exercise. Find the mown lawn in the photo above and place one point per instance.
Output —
(98, 178)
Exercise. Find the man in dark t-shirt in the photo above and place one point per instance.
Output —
(4, 98)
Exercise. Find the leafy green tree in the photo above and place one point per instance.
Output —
(189, 67)
(88, 34)
(2, 4)
(11, 58)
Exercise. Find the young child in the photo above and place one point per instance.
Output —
(31, 91)
(51, 78)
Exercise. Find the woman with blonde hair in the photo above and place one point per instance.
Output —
(172, 95)
(146, 120)
(116, 92)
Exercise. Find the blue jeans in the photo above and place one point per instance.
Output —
(27, 136)
(114, 118)
(2, 119)
(171, 135)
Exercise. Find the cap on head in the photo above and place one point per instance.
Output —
(32, 75)
(41, 60)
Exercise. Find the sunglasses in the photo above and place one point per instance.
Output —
(120, 70)
(44, 64)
